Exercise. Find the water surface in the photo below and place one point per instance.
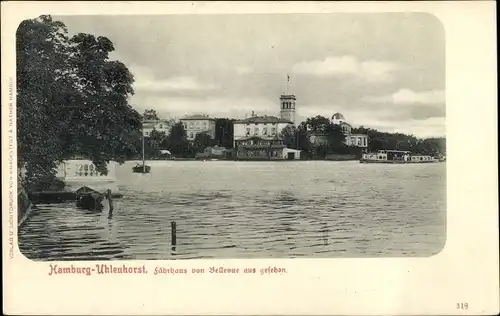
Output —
(226, 209)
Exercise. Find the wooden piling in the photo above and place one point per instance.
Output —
(110, 201)
(173, 225)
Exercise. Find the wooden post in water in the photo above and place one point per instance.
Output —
(110, 201)
(173, 225)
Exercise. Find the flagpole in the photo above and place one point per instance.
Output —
(287, 81)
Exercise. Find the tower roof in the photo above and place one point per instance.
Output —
(287, 96)
(338, 116)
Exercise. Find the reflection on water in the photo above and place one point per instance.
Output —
(252, 210)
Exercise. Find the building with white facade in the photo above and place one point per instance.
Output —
(159, 125)
(258, 137)
(265, 126)
(199, 123)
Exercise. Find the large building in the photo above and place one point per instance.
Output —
(258, 137)
(158, 125)
(357, 140)
(199, 123)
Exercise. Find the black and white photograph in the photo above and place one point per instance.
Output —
(249, 158)
(231, 136)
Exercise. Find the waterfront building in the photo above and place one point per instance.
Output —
(264, 148)
(158, 125)
(212, 152)
(198, 123)
(258, 137)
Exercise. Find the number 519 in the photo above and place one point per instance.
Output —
(462, 306)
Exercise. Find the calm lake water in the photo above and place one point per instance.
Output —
(226, 209)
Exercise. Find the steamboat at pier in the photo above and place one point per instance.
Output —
(397, 156)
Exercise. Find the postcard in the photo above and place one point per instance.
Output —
(249, 158)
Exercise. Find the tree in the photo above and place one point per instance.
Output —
(290, 135)
(41, 55)
(179, 144)
(150, 114)
(321, 126)
(317, 124)
(202, 141)
(304, 140)
(224, 132)
(336, 138)
(71, 99)
(154, 143)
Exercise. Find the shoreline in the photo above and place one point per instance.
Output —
(248, 159)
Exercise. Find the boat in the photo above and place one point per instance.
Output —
(397, 157)
(142, 168)
(89, 199)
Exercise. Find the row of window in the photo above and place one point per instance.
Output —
(196, 124)
(259, 142)
(287, 105)
(147, 133)
(192, 135)
(421, 158)
(262, 123)
(361, 141)
(264, 131)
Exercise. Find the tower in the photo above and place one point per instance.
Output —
(287, 107)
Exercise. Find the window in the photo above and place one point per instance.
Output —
(256, 131)
(273, 131)
(190, 124)
(264, 131)
(191, 135)
(161, 126)
(146, 133)
(248, 131)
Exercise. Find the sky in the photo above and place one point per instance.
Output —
(380, 70)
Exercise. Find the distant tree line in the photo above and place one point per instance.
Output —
(300, 138)
(399, 141)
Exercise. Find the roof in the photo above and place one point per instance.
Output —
(338, 116)
(394, 151)
(263, 119)
(259, 137)
(155, 122)
(197, 117)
